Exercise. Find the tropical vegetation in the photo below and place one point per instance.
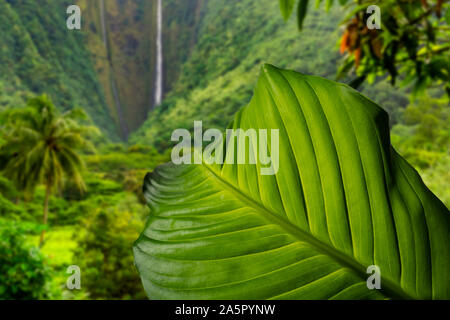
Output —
(59, 95)
(342, 201)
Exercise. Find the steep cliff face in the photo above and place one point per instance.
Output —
(108, 67)
(121, 35)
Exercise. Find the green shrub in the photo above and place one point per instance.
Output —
(105, 250)
(10, 210)
(24, 273)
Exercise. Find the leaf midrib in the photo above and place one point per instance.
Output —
(389, 288)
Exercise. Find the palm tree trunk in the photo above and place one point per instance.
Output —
(47, 196)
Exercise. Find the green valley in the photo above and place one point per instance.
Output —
(212, 54)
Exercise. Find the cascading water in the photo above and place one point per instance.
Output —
(122, 123)
(159, 57)
(102, 20)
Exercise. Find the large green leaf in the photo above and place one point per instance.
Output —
(342, 200)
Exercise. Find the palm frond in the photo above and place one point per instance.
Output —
(43, 146)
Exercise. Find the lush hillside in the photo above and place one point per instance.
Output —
(212, 53)
(107, 67)
(39, 54)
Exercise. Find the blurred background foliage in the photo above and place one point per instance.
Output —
(404, 39)
(23, 270)
(213, 50)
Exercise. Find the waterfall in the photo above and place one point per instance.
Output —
(102, 20)
(159, 57)
(122, 124)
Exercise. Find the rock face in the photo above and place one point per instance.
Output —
(39, 54)
(122, 37)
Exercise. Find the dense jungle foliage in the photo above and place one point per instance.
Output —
(213, 52)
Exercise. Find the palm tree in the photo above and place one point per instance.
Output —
(41, 147)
